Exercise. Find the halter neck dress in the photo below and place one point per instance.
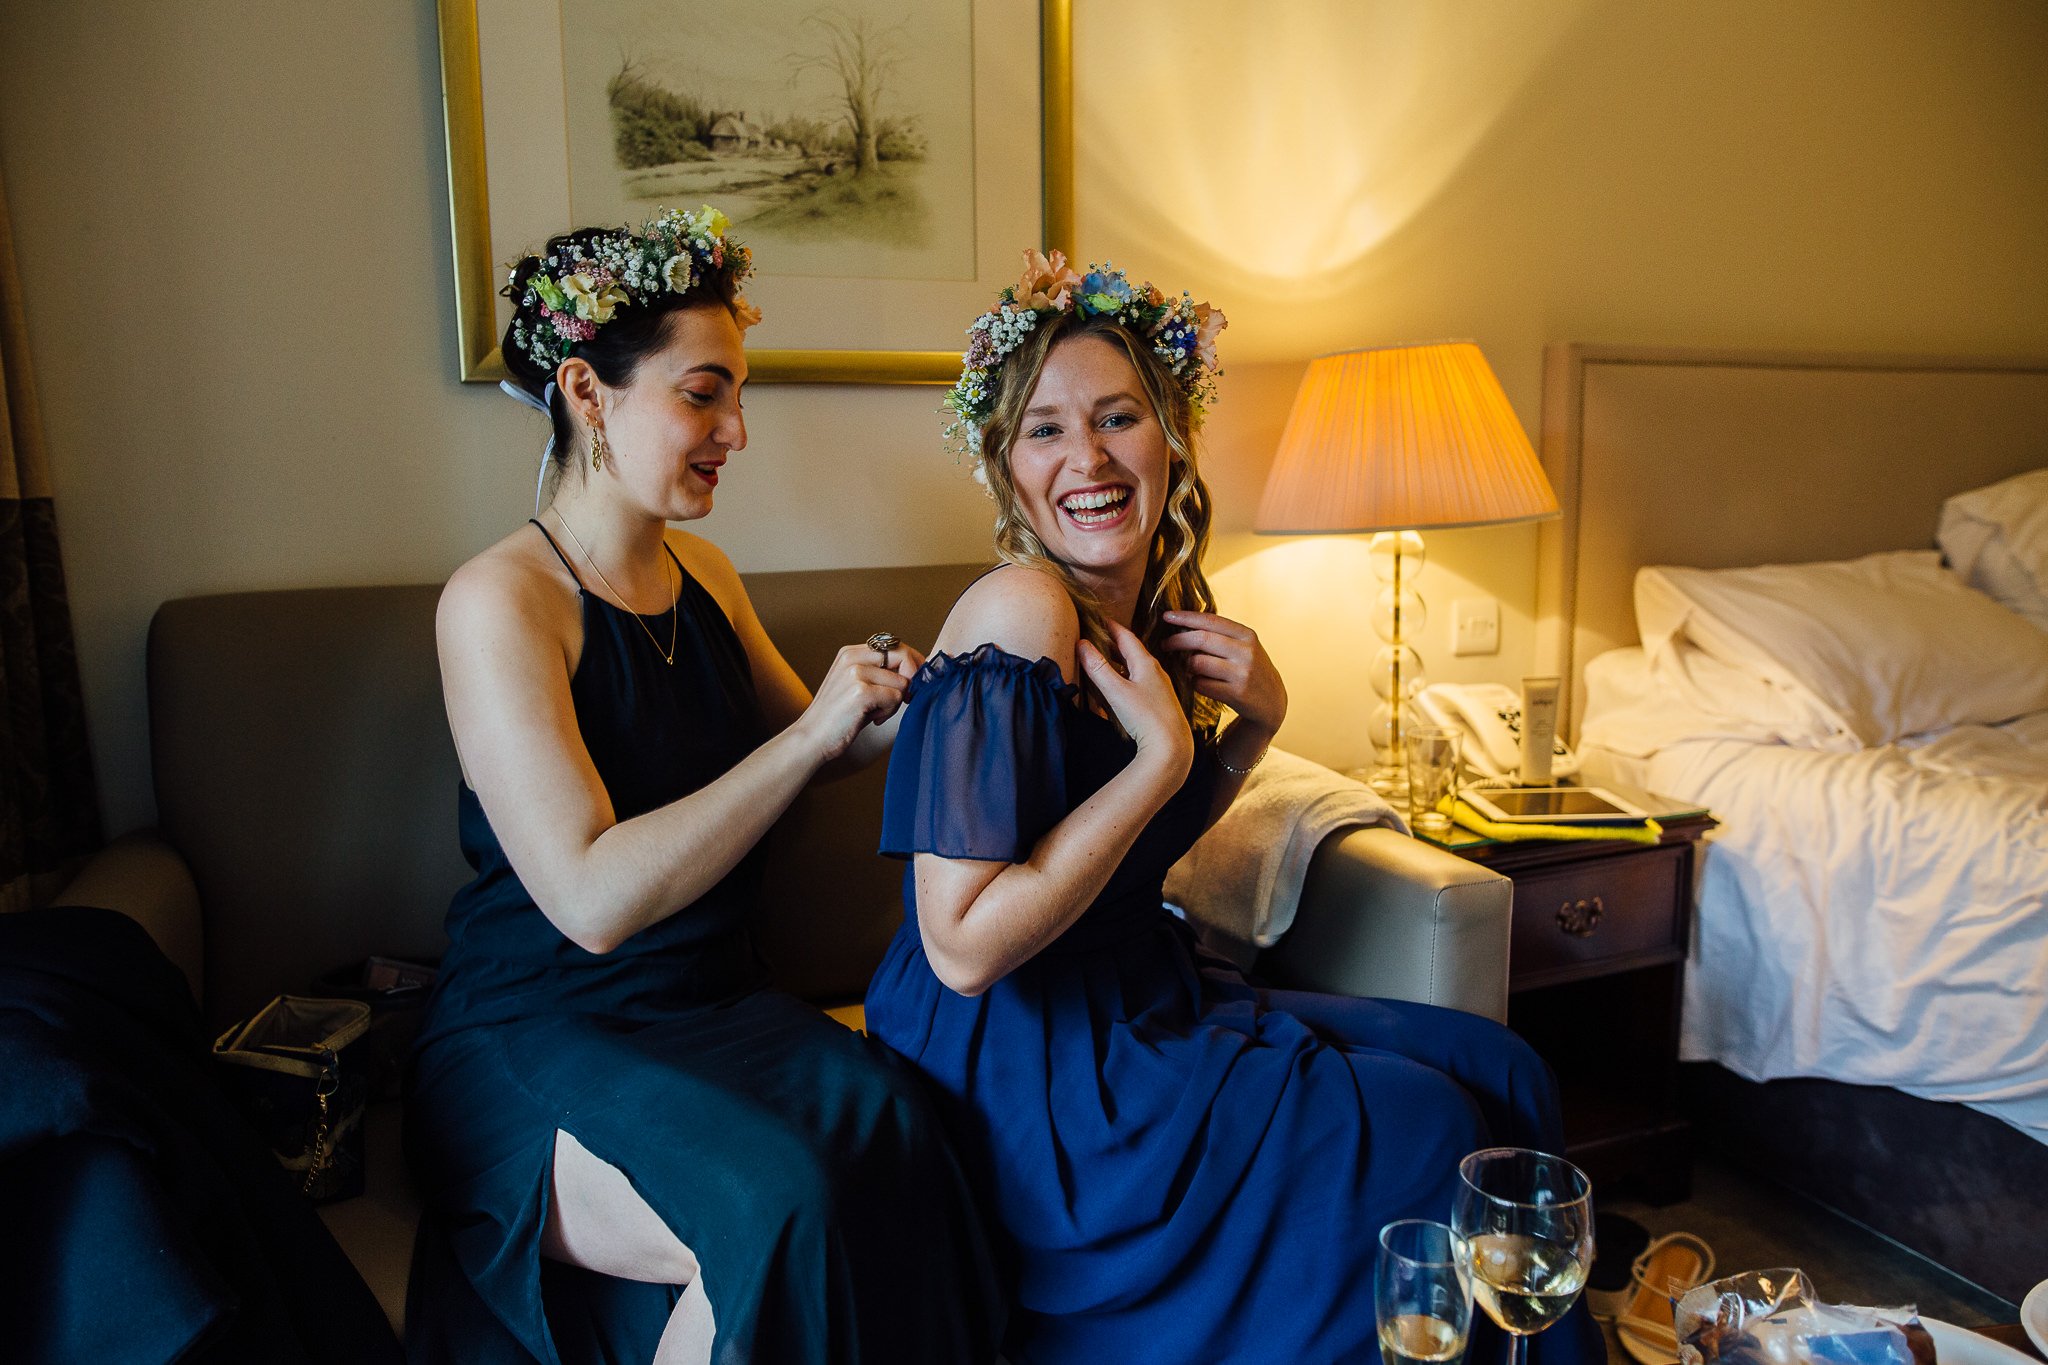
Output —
(1181, 1166)
(791, 1155)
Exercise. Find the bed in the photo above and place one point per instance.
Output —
(1866, 1005)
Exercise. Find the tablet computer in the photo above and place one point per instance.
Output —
(1551, 805)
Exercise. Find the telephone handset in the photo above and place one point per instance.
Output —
(1490, 716)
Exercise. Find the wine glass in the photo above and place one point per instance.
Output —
(1424, 1293)
(1527, 1219)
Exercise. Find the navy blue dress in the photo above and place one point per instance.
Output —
(1183, 1166)
(797, 1159)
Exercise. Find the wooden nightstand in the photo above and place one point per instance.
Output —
(1595, 972)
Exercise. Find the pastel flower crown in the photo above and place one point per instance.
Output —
(582, 287)
(1182, 333)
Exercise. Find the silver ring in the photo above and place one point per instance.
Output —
(882, 642)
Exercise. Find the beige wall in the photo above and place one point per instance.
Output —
(235, 252)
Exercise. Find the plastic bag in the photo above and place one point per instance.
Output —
(1773, 1317)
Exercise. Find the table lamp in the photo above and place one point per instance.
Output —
(1397, 440)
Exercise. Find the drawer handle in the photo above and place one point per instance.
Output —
(1580, 918)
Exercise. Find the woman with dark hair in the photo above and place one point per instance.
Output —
(630, 1147)
(1183, 1167)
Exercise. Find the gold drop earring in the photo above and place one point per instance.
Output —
(599, 451)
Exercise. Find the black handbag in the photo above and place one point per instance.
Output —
(292, 1069)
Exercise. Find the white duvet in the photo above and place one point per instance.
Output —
(1877, 916)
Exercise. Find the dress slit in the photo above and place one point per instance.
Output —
(739, 1115)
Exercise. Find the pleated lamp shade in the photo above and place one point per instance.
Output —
(1402, 438)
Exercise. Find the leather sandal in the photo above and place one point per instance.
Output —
(1670, 1265)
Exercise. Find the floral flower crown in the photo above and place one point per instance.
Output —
(1182, 333)
(580, 288)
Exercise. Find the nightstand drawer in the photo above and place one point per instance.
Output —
(1598, 916)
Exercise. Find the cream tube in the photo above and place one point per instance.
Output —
(1539, 729)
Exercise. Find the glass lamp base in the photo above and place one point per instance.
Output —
(1388, 779)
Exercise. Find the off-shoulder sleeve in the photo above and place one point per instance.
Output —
(980, 761)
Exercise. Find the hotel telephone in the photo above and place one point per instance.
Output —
(1490, 716)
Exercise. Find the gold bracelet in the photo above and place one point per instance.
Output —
(1246, 769)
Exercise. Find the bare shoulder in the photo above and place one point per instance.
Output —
(514, 587)
(1022, 611)
(713, 569)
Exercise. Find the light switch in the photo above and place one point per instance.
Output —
(1475, 625)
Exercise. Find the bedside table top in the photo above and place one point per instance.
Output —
(1680, 819)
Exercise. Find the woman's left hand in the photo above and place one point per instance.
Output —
(1229, 665)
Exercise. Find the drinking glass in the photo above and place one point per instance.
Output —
(1424, 1293)
(1527, 1219)
(1432, 776)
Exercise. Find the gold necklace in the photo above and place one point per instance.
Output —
(674, 614)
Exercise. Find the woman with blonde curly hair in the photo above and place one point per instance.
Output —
(1182, 1166)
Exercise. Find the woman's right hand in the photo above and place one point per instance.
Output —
(1143, 701)
(858, 691)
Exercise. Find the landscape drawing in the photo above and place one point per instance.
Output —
(838, 138)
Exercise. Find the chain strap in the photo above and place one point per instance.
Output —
(329, 1082)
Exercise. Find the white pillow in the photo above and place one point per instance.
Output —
(1887, 645)
(1997, 539)
(1639, 706)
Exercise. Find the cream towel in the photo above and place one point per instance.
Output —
(1241, 883)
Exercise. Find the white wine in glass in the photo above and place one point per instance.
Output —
(1527, 1218)
(1523, 1284)
(1423, 1293)
(1418, 1339)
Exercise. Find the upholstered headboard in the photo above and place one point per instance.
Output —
(1717, 458)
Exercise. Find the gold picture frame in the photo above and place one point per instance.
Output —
(469, 207)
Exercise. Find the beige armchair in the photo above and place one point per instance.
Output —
(305, 786)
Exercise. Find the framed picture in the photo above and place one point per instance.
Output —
(887, 163)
